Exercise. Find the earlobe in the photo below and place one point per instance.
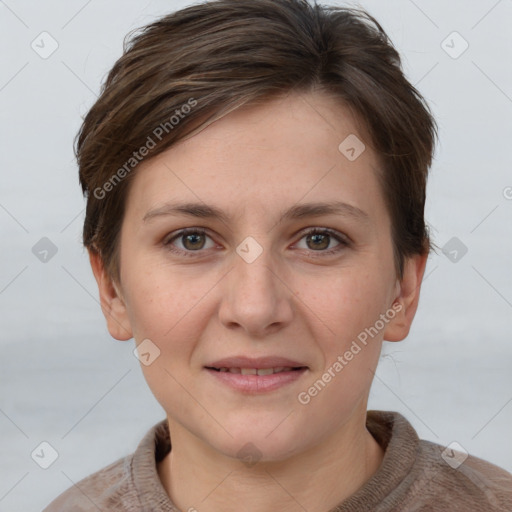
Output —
(406, 302)
(112, 302)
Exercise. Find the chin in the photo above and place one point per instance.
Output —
(261, 442)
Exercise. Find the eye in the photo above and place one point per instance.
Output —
(319, 240)
(191, 240)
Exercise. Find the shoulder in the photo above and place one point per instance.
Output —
(122, 485)
(455, 480)
(421, 476)
(100, 490)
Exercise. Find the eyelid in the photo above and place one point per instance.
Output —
(324, 230)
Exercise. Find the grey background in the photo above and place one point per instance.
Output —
(65, 381)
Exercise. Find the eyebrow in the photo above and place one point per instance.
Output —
(298, 211)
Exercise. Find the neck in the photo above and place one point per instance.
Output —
(197, 477)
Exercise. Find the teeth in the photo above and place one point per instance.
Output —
(265, 371)
(257, 371)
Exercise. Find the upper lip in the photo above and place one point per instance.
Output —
(255, 362)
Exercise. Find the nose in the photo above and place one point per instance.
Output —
(256, 297)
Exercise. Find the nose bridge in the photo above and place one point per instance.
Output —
(253, 273)
(256, 297)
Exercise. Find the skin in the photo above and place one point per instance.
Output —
(293, 301)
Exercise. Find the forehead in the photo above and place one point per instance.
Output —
(294, 149)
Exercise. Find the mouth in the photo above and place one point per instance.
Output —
(256, 375)
(256, 371)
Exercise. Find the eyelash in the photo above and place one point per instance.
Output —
(343, 241)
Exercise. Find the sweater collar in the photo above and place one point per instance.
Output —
(401, 444)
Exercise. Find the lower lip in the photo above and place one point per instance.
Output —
(257, 383)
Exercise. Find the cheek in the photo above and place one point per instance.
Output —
(173, 318)
(167, 317)
(351, 347)
(349, 303)
(161, 302)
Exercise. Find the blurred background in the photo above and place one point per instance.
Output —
(64, 381)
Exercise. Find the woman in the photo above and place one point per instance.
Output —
(255, 175)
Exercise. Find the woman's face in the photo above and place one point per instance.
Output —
(247, 294)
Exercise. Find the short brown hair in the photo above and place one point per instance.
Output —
(195, 65)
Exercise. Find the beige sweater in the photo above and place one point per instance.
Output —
(414, 477)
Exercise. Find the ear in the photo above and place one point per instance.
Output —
(112, 303)
(407, 298)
